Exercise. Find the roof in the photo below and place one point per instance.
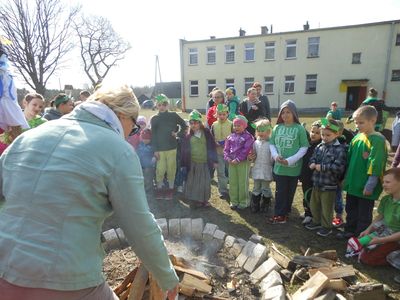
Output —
(169, 89)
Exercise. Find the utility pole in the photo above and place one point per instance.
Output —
(157, 72)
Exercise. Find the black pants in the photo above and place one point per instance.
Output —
(284, 194)
(359, 214)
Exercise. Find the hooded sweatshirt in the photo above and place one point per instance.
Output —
(288, 141)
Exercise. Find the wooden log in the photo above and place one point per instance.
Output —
(156, 293)
(328, 254)
(197, 284)
(186, 290)
(313, 261)
(312, 287)
(179, 261)
(365, 291)
(138, 285)
(281, 258)
(337, 284)
(335, 272)
(127, 280)
(195, 273)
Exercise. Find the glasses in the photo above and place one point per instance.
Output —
(135, 127)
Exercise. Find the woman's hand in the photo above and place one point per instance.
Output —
(318, 167)
(364, 233)
(312, 166)
(172, 293)
(376, 240)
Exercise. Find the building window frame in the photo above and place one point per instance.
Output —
(249, 52)
(248, 82)
(194, 88)
(229, 82)
(211, 84)
(311, 84)
(269, 51)
(289, 84)
(356, 58)
(291, 49)
(211, 55)
(395, 75)
(229, 54)
(397, 43)
(269, 85)
(193, 56)
(313, 47)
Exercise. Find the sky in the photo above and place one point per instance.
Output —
(155, 27)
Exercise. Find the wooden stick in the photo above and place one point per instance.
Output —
(124, 284)
(156, 293)
(137, 288)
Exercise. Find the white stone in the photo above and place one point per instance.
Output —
(197, 229)
(219, 235)
(257, 256)
(257, 239)
(275, 293)
(237, 247)
(272, 279)
(229, 241)
(174, 227)
(111, 240)
(163, 224)
(244, 255)
(208, 232)
(186, 228)
(263, 270)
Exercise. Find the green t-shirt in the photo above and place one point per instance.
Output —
(336, 115)
(367, 156)
(36, 121)
(390, 210)
(288, 140)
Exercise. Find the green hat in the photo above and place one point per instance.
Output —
(328, 124)
(195, 116)
(62, 98)
(161, 98)
(222, 108)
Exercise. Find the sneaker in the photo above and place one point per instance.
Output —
(179, 189)
(344, 235)
(397, 278)
(278, 220)
(324, 232)
(302, 215)
(306, 220)
(224, 196)
(337, 222)
(313, 226)
(233, 206)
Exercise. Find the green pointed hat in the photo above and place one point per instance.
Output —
(222, 108)
(161, 98)
(195, 116)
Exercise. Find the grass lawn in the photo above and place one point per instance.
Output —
(290, 238)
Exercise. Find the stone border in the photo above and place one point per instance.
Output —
(251, 256)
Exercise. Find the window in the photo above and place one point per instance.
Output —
(193, 56)
(291, 49)
(249, 52)
(269, 85)
(229, 54)
(211, 55)
(395, 75)
(229, 83)
(211, 83)
(313, 47)
(269, 50)
(289, 84)
(356, 58)
(311, 84)
(194, 87)
(398, 39)
(248, 82)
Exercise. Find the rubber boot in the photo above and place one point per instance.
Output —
(255, 203)
(265, 203)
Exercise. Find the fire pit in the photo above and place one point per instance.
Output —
(226, 261)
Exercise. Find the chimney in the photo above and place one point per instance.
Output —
(242, 32)
(271, 28)
(212, 37)
(306, 26)
(264, 30)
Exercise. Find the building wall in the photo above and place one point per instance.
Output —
(332, 66)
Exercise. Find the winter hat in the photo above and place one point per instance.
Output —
(232, 90)
(195, 116)
(292, 107)
(61, 98)
(222, 108)
(240, 120)
(141, 121)
(145, 134)
(161, 98)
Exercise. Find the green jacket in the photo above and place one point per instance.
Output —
(367, 156)
(60, 182)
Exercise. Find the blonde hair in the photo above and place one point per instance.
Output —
(221, 93)
(263, 123)
(120, 100)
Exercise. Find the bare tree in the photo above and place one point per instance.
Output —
(41, 37)
(101, 47)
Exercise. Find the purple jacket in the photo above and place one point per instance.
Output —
(238, 146)
(396, 159)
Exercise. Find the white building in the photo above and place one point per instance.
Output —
(312, 67)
